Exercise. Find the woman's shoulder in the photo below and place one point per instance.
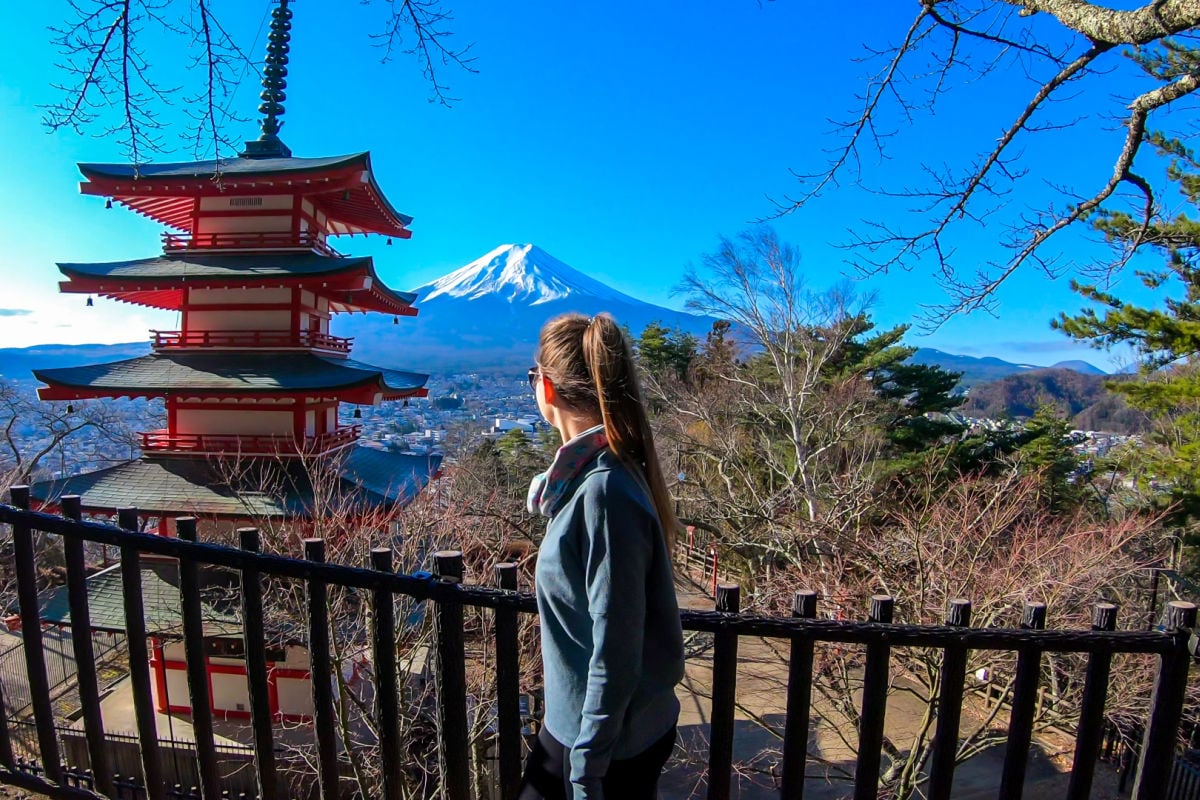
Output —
(610, 476)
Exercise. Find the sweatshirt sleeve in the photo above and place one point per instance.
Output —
(616, 551)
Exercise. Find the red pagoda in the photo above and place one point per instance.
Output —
(253, 377)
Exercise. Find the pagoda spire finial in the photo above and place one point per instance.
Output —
(274, 81)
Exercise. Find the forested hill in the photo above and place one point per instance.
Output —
(1078, 397)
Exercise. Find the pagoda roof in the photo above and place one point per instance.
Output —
(157, 281)
(344, 187)
(230, 373)
(160, 599)
(241, 167)
(243, 488)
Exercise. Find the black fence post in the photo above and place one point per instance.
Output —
(452, 684)
(1091, 716)
(874, 704)
(196, 661)
(1166, 705)
(508, 687)
(799, 700)
(139, 658)
(1024, 698)
(949, 710)
(81, 641)
(254, 638)
(31, 636)
(322, 674)
(724, 695)
(387, 690)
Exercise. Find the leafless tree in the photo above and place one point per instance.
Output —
(778, 453)
(112, 76)
(1060, 46)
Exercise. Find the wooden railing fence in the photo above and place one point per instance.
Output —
(380, 586)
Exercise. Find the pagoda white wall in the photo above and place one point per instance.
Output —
(199, 320)
(241, 422)
(269, 224)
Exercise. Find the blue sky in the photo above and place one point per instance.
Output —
(622, 137)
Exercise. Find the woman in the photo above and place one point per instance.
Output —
(612, 649)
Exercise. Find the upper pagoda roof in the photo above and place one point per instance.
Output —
(157, 282)
(230, 373)
(258, 487)
(343, 187)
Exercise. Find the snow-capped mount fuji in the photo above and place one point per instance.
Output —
(488, 313)
(519, 273)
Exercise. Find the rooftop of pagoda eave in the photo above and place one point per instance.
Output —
(169, 199)
(364, 395)
(169, 297)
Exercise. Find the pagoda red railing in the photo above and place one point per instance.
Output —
(169, 340)
(261, 240)
(161, 441)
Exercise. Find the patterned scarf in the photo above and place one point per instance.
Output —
(547, 489)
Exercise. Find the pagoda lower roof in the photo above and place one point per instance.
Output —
(156, 281)
(344, 187)
(230, 374)
(367, 478)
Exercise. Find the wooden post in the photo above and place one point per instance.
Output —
(724, 695)
(1091, 717)
(508, 686)
(387, 689)
(81, 641)
(452, 684)
(31, 635)
(322, 675)
(254, 646)
(949, 714)
(874, 704)
(139, 659)
(196, 660)
(1166, 705)
(1024, 699)
(799, 699)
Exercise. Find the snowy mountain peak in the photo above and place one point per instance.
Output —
(518, 273)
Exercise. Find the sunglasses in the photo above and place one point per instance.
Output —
(534, 374)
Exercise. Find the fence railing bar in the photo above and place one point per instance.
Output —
(196, 661)
(256, 671)
(31, 635)
(949, 709)
(724, 696)
(322, 675)
(422, 588)
(383, 652)
(33, 783)
(85, 656)
(508, 686)
(1091, 716)
(1024, 699)
(1166, 705)
(799, 700)
(139, 659)
(452, 684)
(874, 706)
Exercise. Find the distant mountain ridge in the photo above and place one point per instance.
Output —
(1077, 396)
(977, 370)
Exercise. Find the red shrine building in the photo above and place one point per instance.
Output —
(253, 380)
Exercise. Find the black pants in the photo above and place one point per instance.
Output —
(547, 771)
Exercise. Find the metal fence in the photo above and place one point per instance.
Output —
(379, 585)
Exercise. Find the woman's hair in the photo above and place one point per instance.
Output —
(589, 360)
